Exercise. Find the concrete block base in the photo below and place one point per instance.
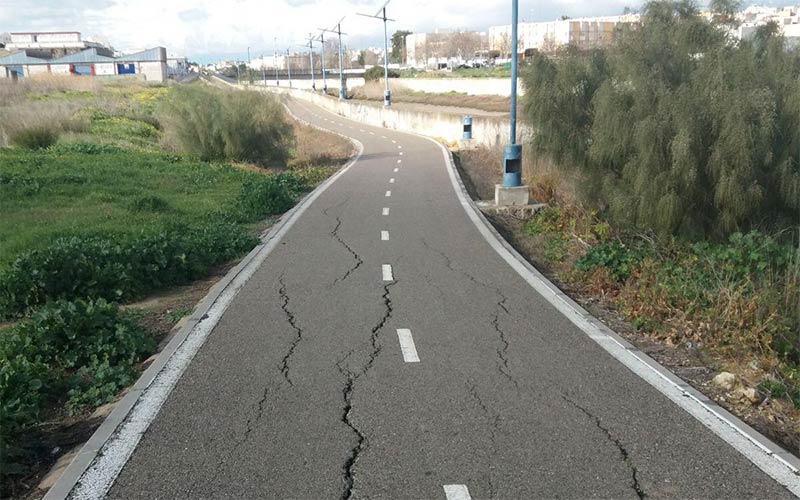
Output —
(506, 195)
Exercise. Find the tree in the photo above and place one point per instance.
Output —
(676, 128)
(398, 54)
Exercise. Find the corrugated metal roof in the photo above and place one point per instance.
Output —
(84, 56)
(155, 54)
(20, 57)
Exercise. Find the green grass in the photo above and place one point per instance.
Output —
(48, 193)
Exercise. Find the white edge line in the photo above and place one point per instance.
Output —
(407, 347)
(456, 492)
(776, 462)
(100, 460)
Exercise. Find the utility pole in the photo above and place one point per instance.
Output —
(263, 71)
(338, 31)
(275, 59)
(289, 67)
(324, 80)
(311, 59)
(249, 76)
(381, 14)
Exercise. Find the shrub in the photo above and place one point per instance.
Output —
(226, 124)
(35, 137)
(378, 72)
(664, 139)
(149, 203)
(82, 352)
(86, 148)
(614, 256)
(270, 195)
(113, 269)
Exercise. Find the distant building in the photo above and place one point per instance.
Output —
(150, 65)
(583, 33)
(787, 18)
(444, 48)
(53, 44)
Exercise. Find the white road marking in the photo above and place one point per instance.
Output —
(383, 137)
(361, 130)
(391, 181)
(456, 492)
(394, 142)
(372, 133)
(385, 211)
(386, 270)
(399, 161)
(399, 147)
(396, 169)
(410, 356)
(384, 235)
(400, 153)
(388, 193)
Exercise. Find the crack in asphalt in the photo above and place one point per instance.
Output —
(356, 257)
(347, 393)
(493, 420)
(502, 351)
(622, 450)
(293, 323)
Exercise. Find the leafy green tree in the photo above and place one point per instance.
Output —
(398, 54)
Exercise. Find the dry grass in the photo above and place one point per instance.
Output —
(57, 116)
(315, 147)
(13, 92)
(373, 91)
(548, 184)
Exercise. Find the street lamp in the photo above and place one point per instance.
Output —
(311, 59)
(324, 80)
(275, 60)
(338, 31)
(512, 192)
(381, 14)
(289, 67)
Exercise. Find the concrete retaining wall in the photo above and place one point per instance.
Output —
(486, 130)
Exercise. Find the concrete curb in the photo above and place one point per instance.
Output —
(93, 448)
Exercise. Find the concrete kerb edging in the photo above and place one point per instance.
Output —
(90, 451)
(785, 467)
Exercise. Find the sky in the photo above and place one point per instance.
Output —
(208, 30)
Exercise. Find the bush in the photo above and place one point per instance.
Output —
(614, 256)
(270, 195)
(378, 72)
(226, 124)
(86, 148)
(82, 352)
(35, 137)
(105, 267)
(667, 140)
(149, 203)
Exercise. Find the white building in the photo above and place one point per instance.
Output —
(49, 44)
(150, 65)
(268, 62)
(787, 18)
(584, 33)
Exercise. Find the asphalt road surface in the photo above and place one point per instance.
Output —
(384, 350)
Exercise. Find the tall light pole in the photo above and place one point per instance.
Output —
(381, 14)
(275, 60)
(249, 76)
(338, 31)
(289, 67)
(311, 59)
(263, 70)
(324, 80)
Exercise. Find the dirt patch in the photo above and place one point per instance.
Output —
(775, 418)
(373, 91)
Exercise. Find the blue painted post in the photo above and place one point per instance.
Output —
(467, 121)
(512, 153)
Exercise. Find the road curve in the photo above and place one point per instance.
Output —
(384, 350)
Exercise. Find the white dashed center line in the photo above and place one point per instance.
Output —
(396, 169)
(400, 153)
(383, 137)
(399, 161)
(361, 130)
(409, 352)
(391, 181)
(388, 193)
(456, 492)
(394, 142)
(385, 211)
(372, 133)
(384, 235)
(399, 147)
(386, 270)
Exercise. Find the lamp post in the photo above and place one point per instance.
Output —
(381, 14)
(311, 59)
(338, 31)
(275, 60)
(324, 79)
(289, 67)
(511, 191)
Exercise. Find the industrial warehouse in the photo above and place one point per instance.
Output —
(64, 53)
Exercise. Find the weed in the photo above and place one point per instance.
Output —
(35, 137)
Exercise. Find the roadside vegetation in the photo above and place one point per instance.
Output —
(503, 71)
(373, 91)
(112, 192)
(671, 168)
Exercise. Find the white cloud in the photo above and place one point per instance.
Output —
(214, 26)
